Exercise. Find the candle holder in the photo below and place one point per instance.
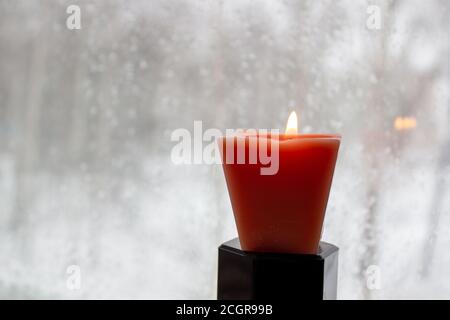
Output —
(279, 216)
(259, 275)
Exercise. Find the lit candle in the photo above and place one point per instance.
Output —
(283, 212)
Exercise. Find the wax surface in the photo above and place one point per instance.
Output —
(282, 212)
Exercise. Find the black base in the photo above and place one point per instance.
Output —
(252, 275)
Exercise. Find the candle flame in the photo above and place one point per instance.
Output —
(407, 123)
(292, 124)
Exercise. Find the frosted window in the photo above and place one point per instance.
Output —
(86, 116)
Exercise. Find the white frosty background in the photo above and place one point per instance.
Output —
(86, 117)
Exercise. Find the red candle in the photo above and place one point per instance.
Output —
(283, 212)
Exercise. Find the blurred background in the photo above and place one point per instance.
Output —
(86, 177)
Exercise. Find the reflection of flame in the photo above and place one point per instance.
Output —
(406, 123)
(292, 124)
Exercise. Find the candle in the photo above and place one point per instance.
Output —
(281, 212)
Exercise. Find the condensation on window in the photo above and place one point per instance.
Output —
(91, 205)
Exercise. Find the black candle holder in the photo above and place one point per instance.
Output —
(253, 275)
